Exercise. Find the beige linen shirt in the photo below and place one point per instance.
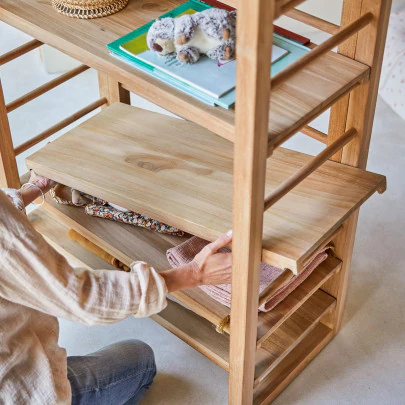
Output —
(37, 285)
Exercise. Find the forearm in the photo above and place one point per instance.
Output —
(181, 278)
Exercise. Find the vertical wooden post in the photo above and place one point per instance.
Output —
(357, 111)
(112, 90)
(8, 165)
(254, 32)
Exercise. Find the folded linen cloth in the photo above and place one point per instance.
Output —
(185, 252)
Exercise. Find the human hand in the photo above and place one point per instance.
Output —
(42, 182)
(208, 267)
(211, 267)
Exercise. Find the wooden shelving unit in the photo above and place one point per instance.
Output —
(219, 170)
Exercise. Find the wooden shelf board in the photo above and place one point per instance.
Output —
(195, 331)
(269, 321)
(292, 365)
(181, 174)
(129, 243)
(55, 234)
(292, 105)
(294, 329)
(201, 335)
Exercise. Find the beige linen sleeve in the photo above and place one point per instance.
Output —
(33, 274)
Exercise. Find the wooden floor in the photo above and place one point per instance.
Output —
(293, 104)
(157, 162)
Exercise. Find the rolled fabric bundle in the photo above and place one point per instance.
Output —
(132, 218)
(97, 207)
(185, 253)
(90, 246)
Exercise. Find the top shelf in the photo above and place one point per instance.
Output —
(179, 173)
(293, 104)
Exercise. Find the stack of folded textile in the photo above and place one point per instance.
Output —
(185, 253)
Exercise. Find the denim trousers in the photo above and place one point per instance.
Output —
(115, 375)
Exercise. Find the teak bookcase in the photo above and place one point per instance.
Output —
(219, 170)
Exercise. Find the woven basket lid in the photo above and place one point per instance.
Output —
(88, 8)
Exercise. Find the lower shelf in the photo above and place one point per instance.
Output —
(292, 365)
(128, 243)
(294, 340)
(55, 234)
(201, 335)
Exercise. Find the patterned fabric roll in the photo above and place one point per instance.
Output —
(132, 218)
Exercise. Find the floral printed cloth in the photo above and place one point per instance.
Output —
(97, 207)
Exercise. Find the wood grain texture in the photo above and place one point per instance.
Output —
(254, 46)
(358, 112)
(157, 161)
(293, 104)
(291, 333)
(112, 90)
(200, 334)
(292, 365)
(55, 233)
(129, 243)
(269, 321)
(8, 166)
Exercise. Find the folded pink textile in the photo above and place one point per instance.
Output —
(185, 252)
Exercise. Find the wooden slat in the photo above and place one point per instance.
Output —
(313, 21)
(195, 331)
(128, 243)
(322, 49)
(293, 104)
(291, 333)
(315, 134)
(358, 112)
(309, 168)
(21, 50)
(270, 321)
(45, 88)
(55, 234)
(292, 365)
(147, 174)
(8, 166)
(200, 334)
(60, 125)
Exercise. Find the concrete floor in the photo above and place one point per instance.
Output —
(364, 364)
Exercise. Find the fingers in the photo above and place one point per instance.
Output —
(221, 242)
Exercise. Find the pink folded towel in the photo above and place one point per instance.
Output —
(185, 252)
